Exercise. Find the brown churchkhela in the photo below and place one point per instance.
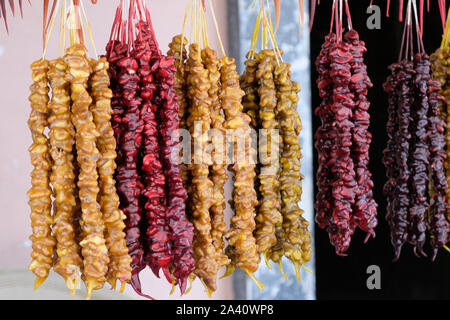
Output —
(119, 267)
(242, 248)
(218, 172)
(177, 48)
(269, 214)
(212, 91)
(271, 102)
(94, 250)
(296, 239)
(81, 141)
(40, 191)
(62, 140)
(201, 188)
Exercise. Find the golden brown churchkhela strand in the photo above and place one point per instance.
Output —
(62, 140)
(218, 172)
(296, 239)
(40, 192)
(94, 251)
(249, 84)
(119, 267)
(201, 189)
(242, 248)
(269, 214)
(178, 50)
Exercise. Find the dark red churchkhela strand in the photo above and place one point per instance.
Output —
(344, 185)
(415, 153)
(365, 209)
(345, 199)
(390, 153)
(182, 231)
(159, 255)
(439, 227)
(325, 136)
(419, 155)
(146, 125)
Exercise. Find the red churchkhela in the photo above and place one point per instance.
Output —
(146, 126)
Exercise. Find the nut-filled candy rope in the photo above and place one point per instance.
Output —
(269, 208)
(420, 155)
(242, 248)
(119, 266)
(439, 226)
(178, 50)
(365, 209)
(440, 60)
(182, 230)
(294, 238)
(201, 192)
(43, 243)
(158, 247)
(218, 172)
(93, 247)
(62, 139)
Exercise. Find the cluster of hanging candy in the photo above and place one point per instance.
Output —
(440, 62)
(415, 153)
(145, 123)
(73, 166)
(210, 100)
(270, 100)
(266, 218)
(344, 200)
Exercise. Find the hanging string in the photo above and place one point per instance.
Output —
(88, 25)
(420, 46)
(61, 27)
(217, 28)
(402, 44)
(408, 31)
(349, 18)
(445, 37)
(52, 23)
(332, 16)
(184, 29)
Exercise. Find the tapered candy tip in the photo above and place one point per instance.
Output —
(208, 290)
(229, 270)
(112, 282)
(89, 289)
(369, 234)
(167, 274)
(122, 286)
(174, 283)
(307, 269)
(190, 285)
(182, 284)
(266, 259)
(72, 285)
(38, 282)
(297, 272)
(256, 281)
(397, 251)
(435, 252)
(280, 265)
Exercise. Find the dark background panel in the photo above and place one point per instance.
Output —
(345, 277)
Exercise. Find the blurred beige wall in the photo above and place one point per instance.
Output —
(17, 52)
